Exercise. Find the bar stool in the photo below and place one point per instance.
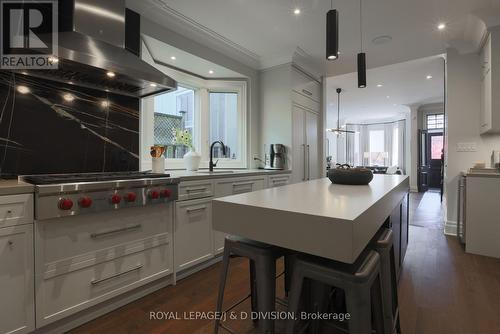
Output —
(262, 259)
(385, 248)
(361, 283)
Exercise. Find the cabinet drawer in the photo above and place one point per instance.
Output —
(193, 233)
(195, 189)
(62, 239)
(16, 210)
(279, 180)
(60, 295)
(242, 185)
(306, 86)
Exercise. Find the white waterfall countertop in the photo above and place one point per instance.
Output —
(315, 217)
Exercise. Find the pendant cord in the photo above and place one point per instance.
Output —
(361, 24)
(331, 4)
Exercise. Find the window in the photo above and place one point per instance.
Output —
(209, 110)
(173, 111)
(436, 147)
(435, 121)
(395, 146)
(224, 124)
(377, 155)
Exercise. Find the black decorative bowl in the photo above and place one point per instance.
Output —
(344, 174)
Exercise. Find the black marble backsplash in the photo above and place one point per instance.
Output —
(49, 127)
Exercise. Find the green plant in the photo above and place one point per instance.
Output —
(183, 137)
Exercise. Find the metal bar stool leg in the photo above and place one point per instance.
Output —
(294, 300)
(359, 307)
(253, 289)
(266, 292)
(222, 285)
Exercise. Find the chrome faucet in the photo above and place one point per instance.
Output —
(211, 164)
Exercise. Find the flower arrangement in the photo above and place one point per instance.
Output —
(183, 137)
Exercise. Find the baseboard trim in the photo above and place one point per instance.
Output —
(450, 228)
(189, 271)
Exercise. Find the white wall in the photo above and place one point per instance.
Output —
(462, 113)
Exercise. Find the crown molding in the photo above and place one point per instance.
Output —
(215, 39)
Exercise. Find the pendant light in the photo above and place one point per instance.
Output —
(332, 33)
(338, 130)
(361, 54)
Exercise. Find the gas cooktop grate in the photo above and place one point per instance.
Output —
(90, 177)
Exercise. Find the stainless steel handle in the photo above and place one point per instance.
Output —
(304, 147)
(280, 180)
(196, 189)
(307, 92)
(198, 208)
(308, 163)
(242, 184)
(119, 230)
(97, 281)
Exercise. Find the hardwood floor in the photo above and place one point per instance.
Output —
(442, 290)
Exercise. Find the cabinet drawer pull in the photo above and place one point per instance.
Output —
(242, 184)
(307, 92)
(280, 180)
(120, 230)
(198, 190)
(97, 281)
(198, 208)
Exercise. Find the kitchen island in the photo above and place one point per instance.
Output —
(319, 218)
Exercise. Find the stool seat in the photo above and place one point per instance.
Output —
(361, 283)
(262, 259)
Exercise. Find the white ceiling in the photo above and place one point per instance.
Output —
(185, 61)
(403, 84)
(268, 29)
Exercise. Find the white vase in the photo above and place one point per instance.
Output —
(192, 160)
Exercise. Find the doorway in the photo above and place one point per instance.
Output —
(430, 171)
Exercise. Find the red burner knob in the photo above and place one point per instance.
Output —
(116, 199)
(153, 194)
(85, 202)
(166, 193)
(65, 204)
(131, 197)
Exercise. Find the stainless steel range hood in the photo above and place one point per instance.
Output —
(92, 42)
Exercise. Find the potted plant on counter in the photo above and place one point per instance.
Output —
(192, 158)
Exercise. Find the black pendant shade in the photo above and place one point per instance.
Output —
(332, 34)
(361, 70)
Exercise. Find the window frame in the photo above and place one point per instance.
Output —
(201, 133)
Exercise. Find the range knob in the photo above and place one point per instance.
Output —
(166, 193)
(85, 202)
(153, 194)
(65, 204)
(131, 197)
(115, 199)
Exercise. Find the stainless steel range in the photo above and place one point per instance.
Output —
(60, 195)
(99, 236)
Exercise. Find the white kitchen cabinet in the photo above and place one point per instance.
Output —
(305, 156)
(17, 304)
(233, 186)
(277, 180)
(193, 242)
(490, 83)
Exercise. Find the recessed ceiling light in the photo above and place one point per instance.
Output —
(388, 97)
(173, 58)
(153, 84)
(68, 97)
(111, 74)
(105, 103)
(380, 85)
(381, 39)
(428, 77)
(23, 89)
(210, 72)
(394, 104)
(441, 26)
(296, 11)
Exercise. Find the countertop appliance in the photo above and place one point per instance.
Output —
(63, 195)
(277, 157)
(495, 159)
